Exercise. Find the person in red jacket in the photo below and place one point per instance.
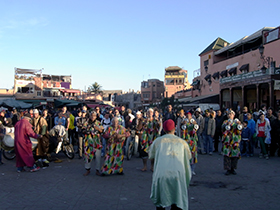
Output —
(23, 145)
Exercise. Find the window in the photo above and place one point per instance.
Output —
(206, 63)
(39, 93)
(169, 81)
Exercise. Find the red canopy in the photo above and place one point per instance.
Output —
(70, 91)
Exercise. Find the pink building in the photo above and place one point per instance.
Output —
(175, 79)
(240, 73)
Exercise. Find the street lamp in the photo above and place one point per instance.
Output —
(263, 69)
(206, 68)
(266, 60)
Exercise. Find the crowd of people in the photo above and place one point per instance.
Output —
(100, 135)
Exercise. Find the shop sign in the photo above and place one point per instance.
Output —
(244, 76)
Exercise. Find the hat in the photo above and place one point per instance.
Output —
(198, 110)
(35, 111)
(168, 125)
(138, 112)
(188, 113)
(231, 112)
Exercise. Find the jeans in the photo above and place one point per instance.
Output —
(208, 143)
(244, 147)
(72, 136)
(200, 144)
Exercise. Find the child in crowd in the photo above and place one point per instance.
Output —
(245, 139)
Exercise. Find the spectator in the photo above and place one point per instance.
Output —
(263, 131)
(170, 114)
(245, 140)
(172, 172)
(252, 127)
(208, 127)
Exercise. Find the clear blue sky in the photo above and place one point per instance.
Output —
(118, 43)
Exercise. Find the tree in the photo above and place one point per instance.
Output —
(95, 88)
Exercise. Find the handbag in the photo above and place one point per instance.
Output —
(268, 139)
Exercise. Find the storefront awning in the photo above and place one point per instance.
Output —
(216, 75)
(208, 77)
(244, 67)
(232, 71)
(224, 73)
(70, 91)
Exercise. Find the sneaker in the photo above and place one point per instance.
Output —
(193, 173)
(58, 161)
(20, 170)
(266, 157)
(34, 169)
(210, 153)
(45, 165)
(233, 172)
(39, 163)
(228, 173)
(46, 161)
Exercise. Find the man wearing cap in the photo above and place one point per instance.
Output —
(231, 139)
(23, 145)
(150, 133)
(93, 143)
(172, 173)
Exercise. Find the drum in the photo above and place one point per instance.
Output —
(8, 141)
(34, 142)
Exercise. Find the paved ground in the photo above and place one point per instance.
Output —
(62, 186)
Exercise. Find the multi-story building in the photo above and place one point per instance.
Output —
(241, 73)
(151, 91)
(175, 79)
(33, 84)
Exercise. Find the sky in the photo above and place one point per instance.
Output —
(119, 43)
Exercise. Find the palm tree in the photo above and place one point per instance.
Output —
(95, 88)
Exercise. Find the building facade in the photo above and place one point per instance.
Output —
(240, 73)
(151, 91)
(33, 84)
(175, 80)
